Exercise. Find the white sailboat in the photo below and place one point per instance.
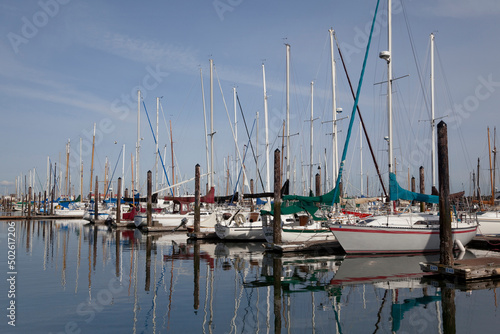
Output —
(407, 233)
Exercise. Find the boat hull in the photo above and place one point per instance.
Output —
(489, 223)
(252, 232)
(356, 239)
(299, 234)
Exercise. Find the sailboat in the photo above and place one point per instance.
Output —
(406, 233)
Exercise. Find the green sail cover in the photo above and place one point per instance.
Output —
(396, 192)
(294, 204)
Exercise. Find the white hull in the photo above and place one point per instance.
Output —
(356, 239)
(300, 234)
(489, 223)
(172, 220)
(247, 231)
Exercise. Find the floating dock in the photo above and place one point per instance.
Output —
(466, 269)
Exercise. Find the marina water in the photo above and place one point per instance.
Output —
(68, 277)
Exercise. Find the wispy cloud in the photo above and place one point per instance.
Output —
(171, 57)
(464, 8)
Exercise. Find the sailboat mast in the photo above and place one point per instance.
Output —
(311, 140)
(92, 164)
(491, 171)
(157, 132)
(81, 172)
(287, 112)
(334, 112)
(137, 174)
(123, 164)
(205, 122)
(389, 83)
(211, 183)
(172, 153)
(235, 136)
(256, 152)
(433, 123)
(268, 182)
(67, 168)
(361, 160)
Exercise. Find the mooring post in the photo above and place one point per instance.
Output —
(252, 206)
(119, 201)
(413, 188)
(422, 187)
(96, 200)
(149, 206)
(277, 199)
(318, 184)
(29, 202)
(197, 198)
(445, 235)
(45, 203)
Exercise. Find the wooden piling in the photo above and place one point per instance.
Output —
(318, 184)
(252, 206)
(45, 203)
(197, 198)
(39, 202)
(413, 187)
(422, 187)
(96, 200)
(445, 235)
(119, 201)
(277, 198)
(29, 202)
(149, 207)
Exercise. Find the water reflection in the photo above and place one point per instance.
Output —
(155, 283)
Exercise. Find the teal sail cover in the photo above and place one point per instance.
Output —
(294, 204)
(396, 192)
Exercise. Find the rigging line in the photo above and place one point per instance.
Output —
(360, 117)
(159, 154)
(414, 55)
(249, 140)
(229, 119)
(242, 166)
(109, 185)
(353, 113)
(168, 141)
(448, 93)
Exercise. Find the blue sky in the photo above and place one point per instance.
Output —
(69, 64)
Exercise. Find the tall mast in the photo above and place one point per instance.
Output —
(361, 159)
(205, 122)
(311, 140)
(137, 174)
(172, 153)
(123, 165)
(433, 123)
(81, 172)
(235, 136)
(92, 164)
(157, 132)
(256, 153)
(491, 171)
(66, 180)
(389, 83)
(268, 183)
(211, 175)
(287, 112)
(334, 112)
(494, 158)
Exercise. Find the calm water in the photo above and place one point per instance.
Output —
(71, 278)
